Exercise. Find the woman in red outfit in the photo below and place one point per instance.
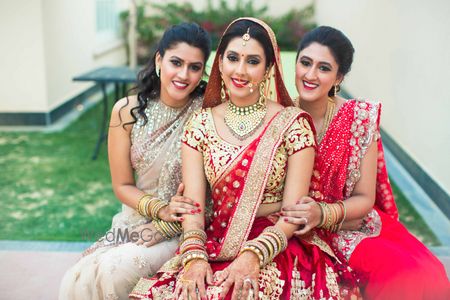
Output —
(256, 156)
(351, 197)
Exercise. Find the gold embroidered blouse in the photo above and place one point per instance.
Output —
(201, 135)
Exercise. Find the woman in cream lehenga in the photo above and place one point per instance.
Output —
(144, 138)
(256, 155)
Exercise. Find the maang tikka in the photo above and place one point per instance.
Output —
(246, 37)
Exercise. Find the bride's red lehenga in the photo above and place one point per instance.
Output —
(389, 262)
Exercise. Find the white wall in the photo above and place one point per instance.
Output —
(69, 31)
(22, 69)
(402, 59)
(45, 43)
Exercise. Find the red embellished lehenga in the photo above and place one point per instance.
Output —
(241, 179)
(389, 262)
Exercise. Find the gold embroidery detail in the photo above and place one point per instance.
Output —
(298, 286)
(142, 288)
(252, 192)
(270, 284)
(332, 285)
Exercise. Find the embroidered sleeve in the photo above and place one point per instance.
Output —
(299, 136)
(194, 131)
(368, 114)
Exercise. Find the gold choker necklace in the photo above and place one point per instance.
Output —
(244, 121)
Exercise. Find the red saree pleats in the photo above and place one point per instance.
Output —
(395, 265)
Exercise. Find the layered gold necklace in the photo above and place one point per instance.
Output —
(244, 121)
(328, 117)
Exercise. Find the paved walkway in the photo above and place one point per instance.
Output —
(34, 269)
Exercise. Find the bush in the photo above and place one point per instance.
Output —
(289, 28)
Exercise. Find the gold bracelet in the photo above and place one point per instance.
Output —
(156, 207)
(141, 204)
(322, 216)
(273, 239)
(168, 228)
(280, 234)
(160, 230)
(194, 233)
(266, 243)
(191, 255)
(256, 251)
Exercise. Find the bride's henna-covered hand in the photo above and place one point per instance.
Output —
(243, 273)
(194, 277)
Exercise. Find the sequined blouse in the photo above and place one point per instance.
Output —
(155, 150)
(201, 135)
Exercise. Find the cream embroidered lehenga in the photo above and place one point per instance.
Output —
(109, 270)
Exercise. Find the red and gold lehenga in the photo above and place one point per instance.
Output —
(242, 178)
(389, 262)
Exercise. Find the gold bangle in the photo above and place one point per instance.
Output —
(266, 243)
(261, 248)
(167, 228)
(280, 234)
(141, 203)
(156, 207)
(191, 255)
(256, 251)
(273, 240)
(322, 216)
(194, 233)
(160, 230)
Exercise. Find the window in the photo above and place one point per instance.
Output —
(107, 24)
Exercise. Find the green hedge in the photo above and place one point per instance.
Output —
(289, 28)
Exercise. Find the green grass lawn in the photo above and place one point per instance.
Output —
(50, 189)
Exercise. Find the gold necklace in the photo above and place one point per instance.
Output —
(328, 117)
(244, 121)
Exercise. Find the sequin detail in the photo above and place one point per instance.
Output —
(201, 135)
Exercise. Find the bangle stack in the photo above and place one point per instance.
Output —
(192, 247)
(168, 230)
(149, 206)
(333, 215)
(267, 245)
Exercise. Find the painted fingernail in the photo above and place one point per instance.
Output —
(181, 219)
(286, 219)
(197, 204)
(199, 210)
(193, 211)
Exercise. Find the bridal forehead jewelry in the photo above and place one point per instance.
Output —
(246, 37)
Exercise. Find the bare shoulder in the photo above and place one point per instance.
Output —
(121, 112)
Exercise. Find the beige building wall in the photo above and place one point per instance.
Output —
(22, 68)
(45, 43)
(402, 59)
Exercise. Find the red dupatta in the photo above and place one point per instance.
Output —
(238, 191)
(339, 156)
